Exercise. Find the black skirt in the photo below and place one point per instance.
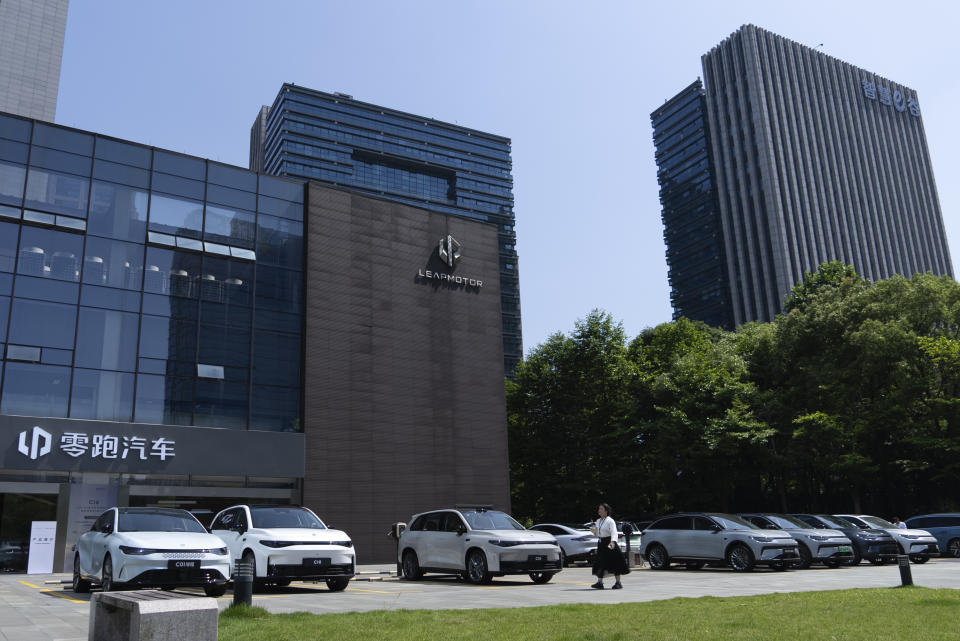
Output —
(609, 561)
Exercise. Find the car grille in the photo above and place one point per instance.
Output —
(345, 569)
(184, 554)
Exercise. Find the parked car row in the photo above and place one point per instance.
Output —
(169, 548)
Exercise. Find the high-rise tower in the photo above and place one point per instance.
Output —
(31, 48)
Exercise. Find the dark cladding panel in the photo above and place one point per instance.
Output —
(404, 395)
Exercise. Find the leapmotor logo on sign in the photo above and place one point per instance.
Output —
(39, 443)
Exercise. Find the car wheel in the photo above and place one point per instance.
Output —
(657, 557)
(411, 566)
(338, 584)
(106, 577)
(80, 585)
(563, 558)
(477, 572)
(805, 557)
(919, 558)
(856, 556)
(693, 565)
(541, 577)
(215, 590)
(740, 558)
(953, 548)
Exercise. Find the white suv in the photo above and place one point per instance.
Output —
(286, 542)
(477, 544)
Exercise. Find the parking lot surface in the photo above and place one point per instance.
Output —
(43, 608)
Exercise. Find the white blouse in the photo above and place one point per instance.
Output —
(607, 527)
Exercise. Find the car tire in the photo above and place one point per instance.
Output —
(477, 571)
(563, 558)
(857, 557)
(541, 577)
(953, 548)
(806, 559)
(106, 575)
(215, 590)
(740, 558)
(693, 565)
(657, 557)
(338, 584)
(919, 559)
(80, 585)
(411, 566)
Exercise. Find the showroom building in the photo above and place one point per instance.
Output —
(180, 332)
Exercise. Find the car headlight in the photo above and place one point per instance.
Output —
(220, 551)
(284, 544)
(910, 536)
(504, 544)
(763, 539)
(126, 549)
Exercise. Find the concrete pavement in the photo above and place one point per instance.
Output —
(43, 608)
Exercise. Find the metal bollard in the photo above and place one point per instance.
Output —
(243, 583)
(906, 577)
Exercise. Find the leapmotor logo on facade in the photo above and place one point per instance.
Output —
(39, 445)
(449, 251)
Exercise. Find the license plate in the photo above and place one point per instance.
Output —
(845, 549)
(183, 564)
(537, 557)
(316, 563)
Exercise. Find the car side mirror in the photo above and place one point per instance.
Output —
(770, 527)
(239, 528)
(715, 528)
(461, 529)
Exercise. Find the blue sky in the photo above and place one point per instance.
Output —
(571, 83)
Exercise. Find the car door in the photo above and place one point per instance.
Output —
(227, 527)
(426, 547)
(449, 543)
(676, 534)
(100, 540)
(705, 539)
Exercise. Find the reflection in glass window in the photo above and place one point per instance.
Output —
(168, 339)
(276, 358)
(106, 339)
(8, 246)
(223, 346)
(50, 254)
(56, 192)
(121, 299)
(279, 242)
(113, 263)
(163, 399)
(226, 281)
(34, 322)
(278, 289)
(35, 390)
(221, 404)
(11, 183)
(171, 272)
(105, 396)
(123, 152)
(4, 315)
(118, 212)
(230, 226)
(275, 409)
(176, 215)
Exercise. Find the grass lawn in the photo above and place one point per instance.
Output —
(882, 614)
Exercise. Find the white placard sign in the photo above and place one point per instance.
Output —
(43, 535)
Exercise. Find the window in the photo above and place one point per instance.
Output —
(41, 323)
(275, 409)
(179, 165)
(163, 399)
(50, 254)
(176, 215)
(105, 396)
(223, 346)
(173, 273)
(35, 390)
(118, 212)
(168, 339)
(57, 192)
(279, 289)
(122, 152)
(113, 263)
(221, 404)
(11, 183)
(276, 358)
(9, 232)
(279, 242)
(231, 177)
(63, 139)
(229, 225)
(106, 339)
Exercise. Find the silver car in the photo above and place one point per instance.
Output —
(699, 538)
(920, 545)
(575, 544)
(830, 547)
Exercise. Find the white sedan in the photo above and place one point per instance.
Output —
(286, 542)
(150, 547)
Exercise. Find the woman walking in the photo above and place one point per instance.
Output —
(609, 558)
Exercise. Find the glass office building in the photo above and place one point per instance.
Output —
(691, 214)
(143, 292)
(335, 140)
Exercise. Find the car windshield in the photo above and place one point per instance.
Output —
(730, 522)
(280, 517)
(836, 522)
(491, 520)
(876, 521)
(787, 522)
(159, 521)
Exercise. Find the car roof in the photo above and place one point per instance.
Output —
(169, 511)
